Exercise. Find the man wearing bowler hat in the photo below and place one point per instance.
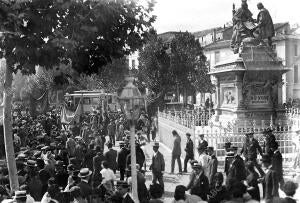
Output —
(157, 166)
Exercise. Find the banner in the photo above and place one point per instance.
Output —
(68, 117)
(42, 103)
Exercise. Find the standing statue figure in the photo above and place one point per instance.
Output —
(264, 28)
(241, 18)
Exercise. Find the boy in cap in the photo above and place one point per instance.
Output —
(289, 188)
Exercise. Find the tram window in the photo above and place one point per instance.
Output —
(109, 99)
(95, 100)
(86, 100)
(77, 100)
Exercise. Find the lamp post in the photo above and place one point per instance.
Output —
(131, 102)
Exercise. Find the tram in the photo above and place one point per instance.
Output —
(93, 100)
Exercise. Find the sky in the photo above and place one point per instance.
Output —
(196, 15)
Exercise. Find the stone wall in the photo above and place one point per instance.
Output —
(165, 128)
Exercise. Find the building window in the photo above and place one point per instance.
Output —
(217, 56)
(133, 64)
(296, 74)
(296, 49)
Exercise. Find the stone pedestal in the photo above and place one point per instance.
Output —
(249, 87)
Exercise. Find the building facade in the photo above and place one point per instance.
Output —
(286, 44)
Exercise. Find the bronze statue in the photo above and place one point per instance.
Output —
(244, 26)
(240, 31)
(265, 27)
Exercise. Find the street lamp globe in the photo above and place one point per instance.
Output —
(131, 100)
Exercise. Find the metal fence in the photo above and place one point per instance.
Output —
(217, 135)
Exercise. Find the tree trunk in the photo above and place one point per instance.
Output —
(8, 137)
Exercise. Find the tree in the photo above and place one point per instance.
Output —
(87, 33)
(181, 66)
(154, 70)
(189, 65)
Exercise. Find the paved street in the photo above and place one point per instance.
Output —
(172, 180)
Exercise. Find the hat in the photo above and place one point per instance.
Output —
(201, 135)
(20, 194)
(31, 163)
(266, 158)
(45, 148)
(289, 187)
(84, 172)
(21, 157)
(268, 130)
(59, 163)
(197, 165)
(123, 184)
(156, 144)
(71, 167)
(37, 154)
(78, 137)
(188, 134)
(210, 148)
(250, 133)
(40, 146)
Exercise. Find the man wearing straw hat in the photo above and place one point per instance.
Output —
(85, 188)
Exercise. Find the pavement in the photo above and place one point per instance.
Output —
(172, 180)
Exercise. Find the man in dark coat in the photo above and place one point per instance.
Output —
(122, 193)
(198, 184)
(111, 157)
(264, 28)
(176, 152)
(61, 175)
(277, 162)
(121, 159)
(270, 180)
(97, 161)
(212, 167)
(157, 166)
(189, 150)
(85, 188)
(270, 141)
(237, 170)
(202, 145)
(250, 149)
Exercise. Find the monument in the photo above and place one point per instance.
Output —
(248, 85)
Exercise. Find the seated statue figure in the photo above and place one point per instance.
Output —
(244, 27)
(242, 18)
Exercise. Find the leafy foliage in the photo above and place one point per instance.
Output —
(86, 32)
(183, 64)
(188, 63)
(154, 68)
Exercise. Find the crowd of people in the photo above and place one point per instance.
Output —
(243, 171)
(78, 163)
